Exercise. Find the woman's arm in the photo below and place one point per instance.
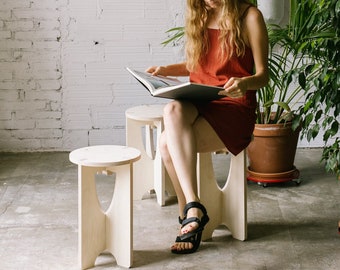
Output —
(175, 70)
(257, 38)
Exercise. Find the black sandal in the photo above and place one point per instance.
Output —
(201, 222)
(195, 236)
(195, 240)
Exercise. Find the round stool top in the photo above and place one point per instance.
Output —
(104, 155)
(146, 112)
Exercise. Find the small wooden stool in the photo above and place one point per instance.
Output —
(99, 231)
(228, 205)
(149, 172)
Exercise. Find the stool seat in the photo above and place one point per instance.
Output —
(111, 230)
(146, 112)
(104, 155)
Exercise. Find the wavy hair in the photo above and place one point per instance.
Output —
(231, 41)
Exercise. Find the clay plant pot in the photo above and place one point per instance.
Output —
(271, 154)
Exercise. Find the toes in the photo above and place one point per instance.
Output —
(181, 246)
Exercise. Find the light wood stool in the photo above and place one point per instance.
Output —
(112, 230)
(149, 172)
(228, 205)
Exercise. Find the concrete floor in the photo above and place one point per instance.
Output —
(289, 226)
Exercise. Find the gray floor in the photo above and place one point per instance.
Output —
(289, 226)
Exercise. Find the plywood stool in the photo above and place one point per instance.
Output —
(228, 205)
(110, 231)
(149, 172)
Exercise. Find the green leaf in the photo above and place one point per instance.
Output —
(302, 80)
(318, 115)
(308, 119)
(283, 105)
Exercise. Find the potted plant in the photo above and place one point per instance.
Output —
(322, 109)
(296, 69)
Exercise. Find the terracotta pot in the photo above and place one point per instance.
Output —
(273, 148)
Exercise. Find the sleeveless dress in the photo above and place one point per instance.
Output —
(233, 119)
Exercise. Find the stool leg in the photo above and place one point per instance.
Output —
(209, 193)
(143, 170)
(159, 170)
(119, 219)
(149, 144)
(234, 205)
(227, 206)
(91, 218)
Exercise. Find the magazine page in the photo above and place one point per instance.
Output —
(155, 82)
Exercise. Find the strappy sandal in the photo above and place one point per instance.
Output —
(201, 222)
(193, 237)
(195, 240)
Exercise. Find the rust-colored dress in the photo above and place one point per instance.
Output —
(233, 119)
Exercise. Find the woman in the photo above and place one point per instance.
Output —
(226, 45)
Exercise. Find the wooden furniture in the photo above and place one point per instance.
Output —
(228, 205)
(150, 175)
(110, 231)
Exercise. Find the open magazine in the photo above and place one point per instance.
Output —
(167, 87)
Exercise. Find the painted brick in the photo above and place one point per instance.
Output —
(14, 44)
(45, 4)
(5, 115)
(101, 136)
(48, 124)
(5, 34)
(75, 138)
(5, 134)
(19, 25)
(38, 134)
(24, 106)
(12, 4)
(41, 14)
(51, 144)
(48, 95)
(5, 75)
(48, 44)
(17, 124)
(19, 145)
(39, 114)
(37, 35)
(8, 95)
(49, 84)
(5, 14)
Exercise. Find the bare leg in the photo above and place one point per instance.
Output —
(172, 173)
(185, 134)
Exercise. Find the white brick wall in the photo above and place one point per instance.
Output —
(63, 82)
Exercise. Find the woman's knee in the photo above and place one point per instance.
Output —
(173, 110)
(179, 111)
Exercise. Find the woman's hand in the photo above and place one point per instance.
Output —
(157, 70)
(234, 88)
(174, 70)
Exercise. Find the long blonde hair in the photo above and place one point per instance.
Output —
(231, 41)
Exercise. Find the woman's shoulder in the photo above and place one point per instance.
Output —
(251, 14)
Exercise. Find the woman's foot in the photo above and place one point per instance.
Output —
(192, 220)
(195, 218)
(187, 245)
